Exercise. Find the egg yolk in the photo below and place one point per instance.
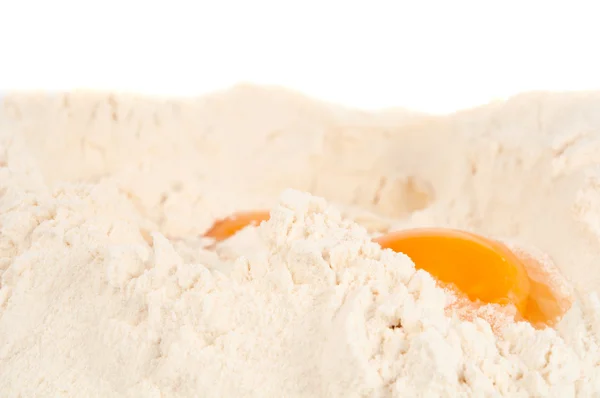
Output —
(227, 227)
(483, 269)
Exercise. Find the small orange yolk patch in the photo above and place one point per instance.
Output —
(227, 227)
(485, 270)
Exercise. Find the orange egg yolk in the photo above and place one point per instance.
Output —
(482, 269)
(485, 270)
(227, 227)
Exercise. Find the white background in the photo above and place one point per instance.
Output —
(436, 56)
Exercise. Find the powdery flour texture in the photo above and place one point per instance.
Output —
(107, 288)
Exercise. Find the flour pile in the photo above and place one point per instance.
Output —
(108, 289)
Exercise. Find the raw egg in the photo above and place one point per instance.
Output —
(484, 270)
(227, 227)
(481, 268)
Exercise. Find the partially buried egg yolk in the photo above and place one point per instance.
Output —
(227, 227)
(483, 269)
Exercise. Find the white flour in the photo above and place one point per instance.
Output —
(107, 289)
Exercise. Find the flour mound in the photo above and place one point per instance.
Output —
(106, 288)
(315, 309)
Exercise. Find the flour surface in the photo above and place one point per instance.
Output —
(107, 288)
